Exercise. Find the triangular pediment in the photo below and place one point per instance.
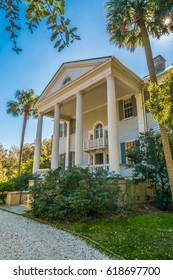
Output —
(69, 72)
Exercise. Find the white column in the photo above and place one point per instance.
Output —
(79, 131)
(55, 144)
(112, 126)
(67, 144)
(37, 151)
(141, 113)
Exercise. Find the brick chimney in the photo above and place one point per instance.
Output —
(159, 63)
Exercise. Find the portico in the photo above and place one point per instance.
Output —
(90, 96)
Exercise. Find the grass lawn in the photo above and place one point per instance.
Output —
(146, 236)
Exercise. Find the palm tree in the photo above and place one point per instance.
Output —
(24, 105)
(130, 23)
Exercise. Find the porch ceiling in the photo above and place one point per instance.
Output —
(92, 98)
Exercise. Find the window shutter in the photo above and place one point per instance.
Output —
(123, 153)
(134, 108)
(120, 107)
(70, 159)
(71, 127)
(60, 130)
(146, 97)
(65, 129)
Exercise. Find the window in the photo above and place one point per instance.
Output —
(99, 131)
(128, 112)
(62, 160)
(107, 158)
(67, 80)
(72, 159)
(72, 126)
(126, 146)
(106, 134)
(127, 108)
(62, 130)
(91, 159)
(99, 158)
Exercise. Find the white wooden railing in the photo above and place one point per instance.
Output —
(95, 143)
(97, 166)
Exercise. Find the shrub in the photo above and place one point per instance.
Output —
(164, 199)
(150, 166)
(74, 194)
(17, 184)
(21, 183)
(6, 187)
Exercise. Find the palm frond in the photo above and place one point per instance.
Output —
(123, 20)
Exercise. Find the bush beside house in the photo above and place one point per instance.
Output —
(75, 194)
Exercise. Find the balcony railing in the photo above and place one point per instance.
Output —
(98, 166)
(93, 144)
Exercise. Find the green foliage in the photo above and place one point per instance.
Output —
(160, 103)
(126, 28)
(4, 188)
(50, 11)
(21, 182)
(164, 199)
(74, 194)
(17, 184)
(9, 159)
(150, 166)
(25, 101)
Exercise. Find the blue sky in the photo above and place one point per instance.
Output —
(39, 61)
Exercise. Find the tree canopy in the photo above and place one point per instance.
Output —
(52, 12)
(150, 167)
(9, 159)
(161, 102)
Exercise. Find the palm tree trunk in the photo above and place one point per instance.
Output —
(22, 141)
(148, 51)
(153, 78)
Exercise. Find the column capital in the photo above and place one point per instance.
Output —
(40, 114)
(110, 76)
(79, 93)
(57, 105)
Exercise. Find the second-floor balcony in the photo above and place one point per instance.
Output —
(94, 144)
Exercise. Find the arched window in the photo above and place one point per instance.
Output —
(67, 80)
(99, 131)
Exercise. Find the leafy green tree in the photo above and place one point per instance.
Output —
(46, 148)
(3, 170)
(150, 166)
(161, 102)
(130, 23)
(149, 161)
(28, 151)
(52, 12)
(24, 105)
(3, 176)
(9, 161)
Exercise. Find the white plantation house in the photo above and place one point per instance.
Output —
(98, 110)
